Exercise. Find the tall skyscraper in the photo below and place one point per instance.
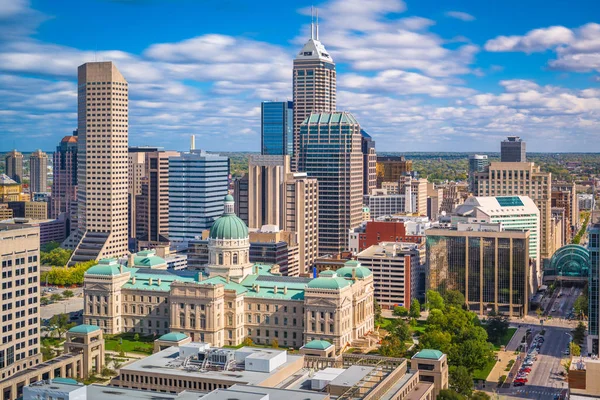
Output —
(330, 151)
(20, 347)
(277, 128)
(477, 163)
(198, 183)
(266, 175)
(392, 168)
(521, 179)
(513, 150)
(13, 163)
(594, 286)
(314, 85)
(38, 172)
(64, 181)
(369, 162)
(240, 194)
(136, 173)
(102, 210)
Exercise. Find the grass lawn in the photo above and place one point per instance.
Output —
(144, 345)
(482, 374)
(419, 328)
(505, 339)
(386, 323)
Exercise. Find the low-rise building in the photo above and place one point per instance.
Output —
(387, 229)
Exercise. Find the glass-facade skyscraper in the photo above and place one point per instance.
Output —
(593, 288)
(277, 128)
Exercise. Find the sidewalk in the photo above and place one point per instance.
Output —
(499, 369)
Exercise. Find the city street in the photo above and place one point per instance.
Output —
(71, 305)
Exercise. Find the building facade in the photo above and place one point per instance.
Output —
(64, 177)
(38, 172)
(330, 152)
(400, 229)
(594, 289)
(369, 162)
(10, 190)
(233, 299)
(240, 194)
(488, 265)
(564, 195)
(277, 128)
(198, 181)
(314, 86)
(19, 255)
(136, 173)
(13, 166)
(391, 168)
(477, 163)
(266, 177)
(513, 150)
(102, 206)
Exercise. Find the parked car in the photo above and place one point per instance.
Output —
(518, 383)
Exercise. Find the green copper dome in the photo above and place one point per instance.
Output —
(351, 266)
(328, 283)
(106, 266)
(229, 226)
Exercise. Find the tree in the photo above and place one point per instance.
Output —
(57, 257)
(415, 309)
(581, 305)
(539, 312)
(454, 298)
(44, 301)
(574, 349)
(434, 300)
(579, 333)
(248, 341)
(59, 323)
(116, 363)
(496, 326)
(377, 311)
(47, 352)
(460, 380)
(68, 294)
(48, 247)
(480, 396)
(448, 394)
(56, 297)
(275, 344)
(400, 311)
(136, 337)
(394, 344)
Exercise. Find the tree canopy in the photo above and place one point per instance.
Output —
(460, 380)
(415, 309)
(56, 257)
(64, 276)
(434, 300)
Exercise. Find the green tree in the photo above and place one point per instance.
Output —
(497, 326)
(48, 247)
(574, 349)
(47, 352)
(449, 394)
(400, 311)
(56, 257)
(56, 297)
(394, 344)
(581, 305)
(275, 344)
(454, 298)
(248, 341)
(44, 301)
(480, 396)
(415, 309)
(434, 300)
(460, 380)
(579, 333)
(59, 323)
(68, 294)
(377, 311)
(136, 337)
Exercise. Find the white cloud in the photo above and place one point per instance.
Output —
(535, 40)
(463, 16)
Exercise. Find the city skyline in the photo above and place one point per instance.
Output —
(417, 77)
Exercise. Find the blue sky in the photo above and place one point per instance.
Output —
(423, 75)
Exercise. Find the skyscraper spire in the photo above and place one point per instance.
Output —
(312, 23)
(317, 23)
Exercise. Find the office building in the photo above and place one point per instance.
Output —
(29, 209)
(38, 172)
(558, 227)
(514, 213)
(369, 162)
(330, 152)
(381, 203)
(277, 128)
(388, 229)
(453, 195)
(233, 299)
(488, 265)
(19, 254)
(314, 86)
(136, 173)
(64, 177)
(51, 230)
(477, 163)
(269, 245)
(564, 195)
(10, 190)
(513, 150)
(5, 212)
(102, 213)
(266, 176)
(13, 166)
(240, 194)
(435, 198)
(585, 201)
(198, 181)
(594, 287)
(391, 168)
(395, 268)
(521, 179)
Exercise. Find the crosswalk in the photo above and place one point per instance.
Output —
(547, 394)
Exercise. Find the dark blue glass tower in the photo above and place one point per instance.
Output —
(276, 128)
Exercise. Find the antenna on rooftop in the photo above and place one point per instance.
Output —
(317, 24)
(312, 23)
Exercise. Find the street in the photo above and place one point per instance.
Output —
(70, 305)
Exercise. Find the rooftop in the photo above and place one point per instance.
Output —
(173, 337)
(84, 329)
(318, 345)
(429, 354)
(388, 250)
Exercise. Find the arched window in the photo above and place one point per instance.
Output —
(133, 309)
(230, 319)
(192, 321)
(235, 258)
(220, 259)
(202, 321)
(182, 320)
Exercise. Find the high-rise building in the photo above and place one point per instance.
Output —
(435, 197)
(277, 128)
(391, 168)
(314, 85)
(240, 194)
(369, 162)
(13, 166)
(488, 265)
(198, 182)
(521, 179)
(513, 150)
(594, 287)
(20, 347)
(102, 207)
(330, 152)
(64, 181)
(10, 190)
(266, 175)
(564, 195)
(477, 163)
(38, 172)
(269, 245)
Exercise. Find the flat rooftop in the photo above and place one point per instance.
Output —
(157, 363)
(242, 392)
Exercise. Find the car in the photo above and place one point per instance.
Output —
(515, 383)
(553, 309)
(526, 369)
(566, 352)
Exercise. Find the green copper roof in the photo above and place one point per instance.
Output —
(351, 267)
(429, 354)
(328, 283)
(229, 198)
(317, 345)
(84, 329)
(328, 273)
(106, 266)
(173, 337)
(148, 261)
(66, 381)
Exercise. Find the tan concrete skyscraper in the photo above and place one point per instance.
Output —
(314, 84)
(102, 116)
(38, 172)
(14, 166)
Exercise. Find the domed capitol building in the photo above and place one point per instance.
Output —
(233, 299)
